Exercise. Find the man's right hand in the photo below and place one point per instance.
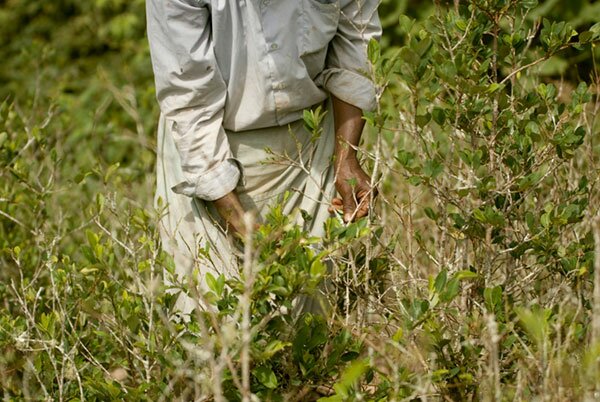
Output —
(354, 188)
(231, 210)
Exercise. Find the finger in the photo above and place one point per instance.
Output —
(336, 205)
(362, 210)
(349, 207)
(364, 204)
(334, 209)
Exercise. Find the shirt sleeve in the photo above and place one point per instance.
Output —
(347, 66)
(191, 93)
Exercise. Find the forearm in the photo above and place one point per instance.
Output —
(348, 130)
(352, 182)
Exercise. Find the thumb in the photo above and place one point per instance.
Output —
(348, 206)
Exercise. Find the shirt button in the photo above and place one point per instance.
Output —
(274, 46)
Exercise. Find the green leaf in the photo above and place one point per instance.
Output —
(451, 291)
(410, 57)
(430, 213)
(545, 220)
(466, 275)
(493, 298)
(490, 216)
(440, 280)
(423, 46)
(348, 379)
(528, 4)
(530, 180)
(110, 171)
(432, 168)
(374, 51)
(423, 119)
(405, 24)
(494, 87)
(317, 268)
(407, 159)
(439, 116)
(415, 180)
(217, 285)
(461, 24)
(354, 372)
(266, 376)
(92, 238)
(586, 36)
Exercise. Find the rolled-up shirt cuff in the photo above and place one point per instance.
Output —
(351, 87)
(214, 183)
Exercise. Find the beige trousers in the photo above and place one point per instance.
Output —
(274, 160)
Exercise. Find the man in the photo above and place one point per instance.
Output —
(232, 79)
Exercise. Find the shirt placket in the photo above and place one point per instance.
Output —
(273, 57)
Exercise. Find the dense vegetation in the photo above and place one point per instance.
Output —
(473, 280)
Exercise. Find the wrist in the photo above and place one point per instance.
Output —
(345, 159)
(232, 212)
(229, 204)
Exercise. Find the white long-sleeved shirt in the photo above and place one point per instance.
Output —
(249, 64)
